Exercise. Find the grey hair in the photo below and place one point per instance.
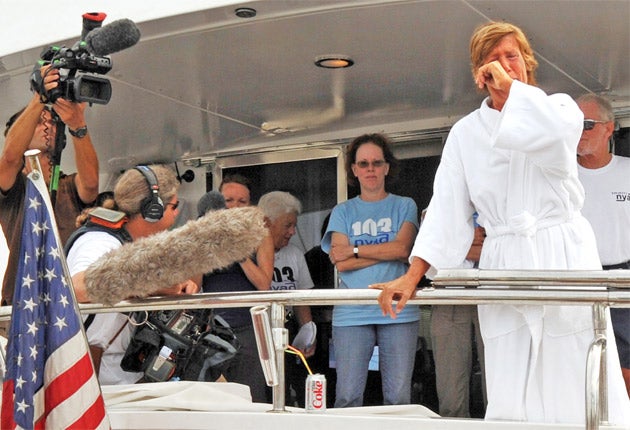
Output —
(277, 203)
(132, 188)
(603, 104)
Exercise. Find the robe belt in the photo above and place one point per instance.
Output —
(526, 225)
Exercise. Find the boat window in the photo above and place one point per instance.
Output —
(415, 180)
(316, 176)
(621, 141)
(310, 175)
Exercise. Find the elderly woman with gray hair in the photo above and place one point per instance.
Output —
(290, 272)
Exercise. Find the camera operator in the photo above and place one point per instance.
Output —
(33, 128)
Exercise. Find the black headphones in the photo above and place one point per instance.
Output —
(151, 208)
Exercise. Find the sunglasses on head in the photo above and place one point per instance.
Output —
(589, 124)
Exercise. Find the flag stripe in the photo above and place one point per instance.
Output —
(7, 422)
(67, 383)
(72, 369)
(91, 416)
(62, 362)
(66, 414)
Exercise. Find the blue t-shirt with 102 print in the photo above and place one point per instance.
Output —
(366, 223)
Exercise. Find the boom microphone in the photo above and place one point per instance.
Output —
(159, 261)
(116, 36)
(211, 201)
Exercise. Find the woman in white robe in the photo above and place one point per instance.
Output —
(514, 162)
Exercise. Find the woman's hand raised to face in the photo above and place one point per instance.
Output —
(494, 76)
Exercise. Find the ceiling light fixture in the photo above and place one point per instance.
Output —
(245, 12)
(333, 61)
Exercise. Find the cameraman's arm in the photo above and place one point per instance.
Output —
(17, 142)
(86, 160)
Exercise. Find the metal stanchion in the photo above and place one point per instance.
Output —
(597, 373)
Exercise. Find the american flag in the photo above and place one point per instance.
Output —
(50, 381)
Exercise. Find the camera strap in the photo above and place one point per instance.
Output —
(96, 352)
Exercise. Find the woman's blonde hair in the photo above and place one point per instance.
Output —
(103, 200)
(132, 188)
(488, 35)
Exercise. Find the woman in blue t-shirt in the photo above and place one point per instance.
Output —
(369, 239)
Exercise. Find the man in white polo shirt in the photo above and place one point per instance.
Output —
(606, 181)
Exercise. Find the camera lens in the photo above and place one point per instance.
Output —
(91, 89)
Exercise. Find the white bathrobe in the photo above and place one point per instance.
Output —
(517, 168)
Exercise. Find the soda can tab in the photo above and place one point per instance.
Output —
(315, 393)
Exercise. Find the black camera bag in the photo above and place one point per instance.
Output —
(192, 345)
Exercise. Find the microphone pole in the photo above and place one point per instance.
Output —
(91, 21)
(60, 144)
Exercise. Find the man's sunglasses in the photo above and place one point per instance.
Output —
(589, 124)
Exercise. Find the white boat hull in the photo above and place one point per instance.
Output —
(209, 406)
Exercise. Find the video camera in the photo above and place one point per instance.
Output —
(88, 55)
(73, 87)
(191, 345)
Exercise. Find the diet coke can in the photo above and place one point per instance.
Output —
(315, 393)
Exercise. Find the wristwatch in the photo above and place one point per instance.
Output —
(79, 132)
(356, 252)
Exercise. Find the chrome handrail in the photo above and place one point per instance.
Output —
(568, 278)
(450, 287)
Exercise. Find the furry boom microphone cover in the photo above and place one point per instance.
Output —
(140, 268)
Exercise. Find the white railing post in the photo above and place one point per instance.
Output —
(597, 373)
(280, 341)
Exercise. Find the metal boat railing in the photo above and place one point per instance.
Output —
(599, 289)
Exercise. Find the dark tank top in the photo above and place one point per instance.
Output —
(230, 279)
